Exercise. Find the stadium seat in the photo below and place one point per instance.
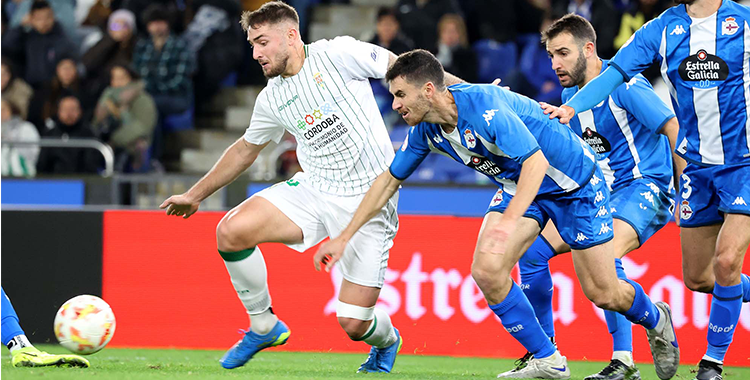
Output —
(495, 60)
(179, 121)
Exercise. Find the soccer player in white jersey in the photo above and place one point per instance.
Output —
(702, 47)
(319, 93)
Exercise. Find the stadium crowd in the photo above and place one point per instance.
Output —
(130, 73)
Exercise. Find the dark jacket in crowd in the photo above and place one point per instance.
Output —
(400, 44)
(420, 24)
(68, 160)
(37, 53)
(100, 58)
(604, 18)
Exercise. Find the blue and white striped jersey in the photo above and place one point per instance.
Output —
(705, 65)
(624, 130)
(497, 131)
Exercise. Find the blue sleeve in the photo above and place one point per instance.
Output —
(507, 132)
(412, 152)
(639, 99)
(566, 94)
(641, 49)
(596, 90)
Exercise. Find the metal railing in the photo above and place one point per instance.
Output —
(104, 149)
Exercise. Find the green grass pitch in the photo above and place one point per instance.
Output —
(129, 364)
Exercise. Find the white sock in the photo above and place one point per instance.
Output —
(708, 358)
(623, 356)
(249, 279)
(661, 322)
(381, 333)
(18, 342)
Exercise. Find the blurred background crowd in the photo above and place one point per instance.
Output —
(168, 84)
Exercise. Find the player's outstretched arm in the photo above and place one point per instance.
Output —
(235, 160)
(670, 129)
(381, 191)
(590, 95)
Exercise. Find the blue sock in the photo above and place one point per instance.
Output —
(517, 316)
(10, 327)
(745, 288)
(536, 282)
(619, 326)
(725, 312)
(643, 312)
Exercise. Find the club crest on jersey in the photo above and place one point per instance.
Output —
(471, 141)
(729, 26)
(497, 199)
(685, 211)
(318, 77)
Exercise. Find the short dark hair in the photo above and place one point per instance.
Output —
(577, 26)
(156, 12)
(125, 65)
(418, 67)
(386, 12)
(39, 4)
(272, 12)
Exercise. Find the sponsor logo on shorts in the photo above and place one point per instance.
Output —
(739, 201)
(605, 229)
(649, 196)
(581, 237)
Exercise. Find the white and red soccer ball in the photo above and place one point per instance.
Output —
(84, 324)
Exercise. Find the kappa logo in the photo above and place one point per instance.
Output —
(599, 197)
(438, 139)
(605, 229)
(581, 237)
(488, 115)
(729, 26)
(739, 201)
(649, 196)
(632, 82)
(602, 211)
(595, 180)
(678, 30)
(471, 141)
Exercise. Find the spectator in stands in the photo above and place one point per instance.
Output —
(64, 13)
(388, 32)
(218, 43)
(125, 118)
(115, 46)
(453, 49)
(38, 49)
(635, 15)
(17, 161)
(66, 82)
(518, 17)
(174, 9)
(419, 17)
(15, 90)
(603, 16)
(165, 63)
(68, 123)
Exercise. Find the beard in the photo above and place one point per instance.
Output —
(578, 74)
(281, 61)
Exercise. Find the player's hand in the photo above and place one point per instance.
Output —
(564, 113)
(497, 81)
(548, 108)
(329, 253)
(180, 205)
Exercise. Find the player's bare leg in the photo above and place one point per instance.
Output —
(698, 247)
(595, 268)
(494, 258)
(362, 321)
(724, 265)
(254, 221)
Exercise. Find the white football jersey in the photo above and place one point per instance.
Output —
(342, 142)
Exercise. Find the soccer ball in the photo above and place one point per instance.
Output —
(84, 324)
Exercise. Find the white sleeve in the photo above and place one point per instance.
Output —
(263, 127)
(362, 60)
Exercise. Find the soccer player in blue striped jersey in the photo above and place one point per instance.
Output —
(629, 131)
(703, 48)
(544, 171)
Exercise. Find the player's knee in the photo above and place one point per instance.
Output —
(727, 264)
(602, 299)
(231, 237)
(354, 328)
(486, 278)
(697, 284)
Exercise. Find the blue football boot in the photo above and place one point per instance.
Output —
(382, 359)
(249, 345)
